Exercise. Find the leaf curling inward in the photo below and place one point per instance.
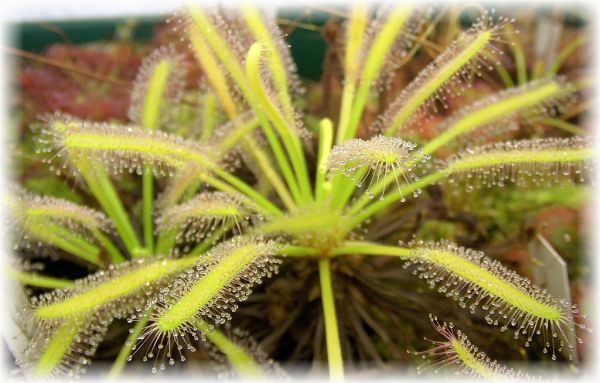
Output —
(283, 71)
(540, 161)
(224, 28)
(508, 299)
(207, 294)
(377, 157)
(262, 81)
(205, 213)
(457, 352)
(168, 66)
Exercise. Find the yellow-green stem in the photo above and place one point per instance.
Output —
(519, 55)
(242, 130)
(241, 361)
(209, 114)
(234, 68)
(150, 118)
(210, 240)
(270, 173)
(38, 280)
(147, 208)
(166, 241)
(66, 240)
(380, 48)
(356, 29)
(102, 188)
(59, 345)
(121, 359)
(369, 248)
(275, 62)
(566, 53)
(111, 248)
(290, 141)
(563, 125)
(334, 348)
(322, 186)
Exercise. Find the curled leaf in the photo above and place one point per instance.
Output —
(378, 157)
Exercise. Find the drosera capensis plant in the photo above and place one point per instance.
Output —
(214, 233)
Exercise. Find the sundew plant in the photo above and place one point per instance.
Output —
(223, 201)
